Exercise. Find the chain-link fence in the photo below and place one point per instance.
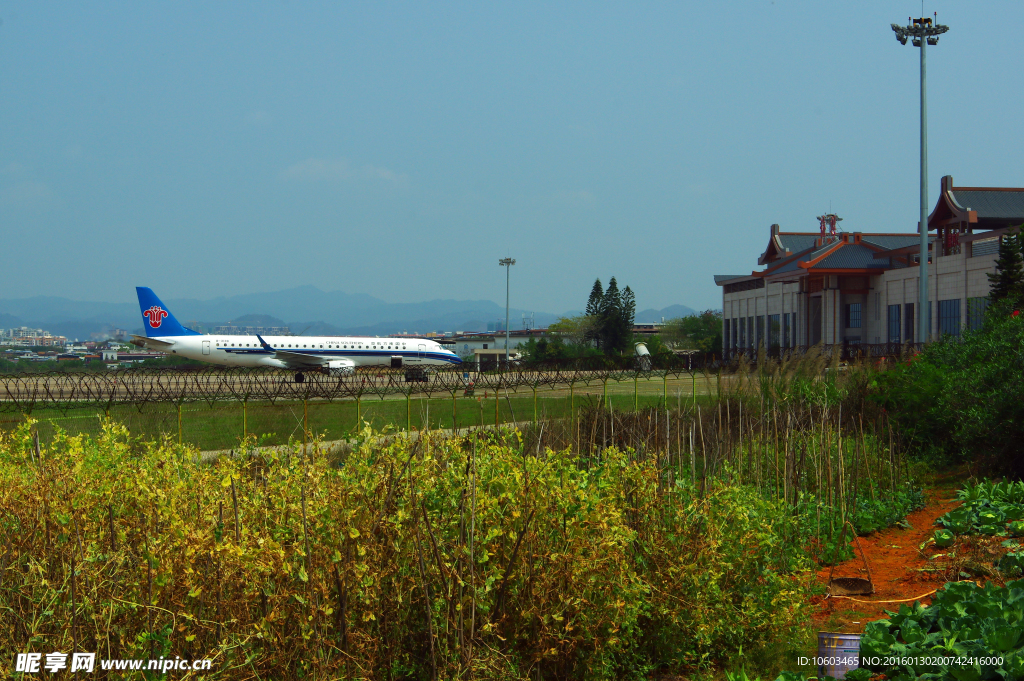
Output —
(221, 425)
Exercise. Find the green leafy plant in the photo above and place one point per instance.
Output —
(989, 508)
(1012, 564)
(964, 620)
(944, 538)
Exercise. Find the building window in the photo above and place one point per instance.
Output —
(949, 317)
(853, 316)
(774, 330)
(751, 341)
(725, 341)
(760, 330)
(742, 337)
(976, 312)
(786, 330)
(908, 323)
(894, 324)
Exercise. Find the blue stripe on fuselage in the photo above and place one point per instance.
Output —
(344, 353)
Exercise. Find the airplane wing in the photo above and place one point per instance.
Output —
(151, 343)
(298, 360)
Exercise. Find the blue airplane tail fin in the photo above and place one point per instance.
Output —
(157, 320)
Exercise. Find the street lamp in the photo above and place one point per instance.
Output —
(507, 263)
(922, 32)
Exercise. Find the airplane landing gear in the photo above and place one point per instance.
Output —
(299, 378)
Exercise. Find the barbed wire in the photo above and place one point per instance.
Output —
(24, 392)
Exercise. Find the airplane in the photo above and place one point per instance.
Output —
(334, 355)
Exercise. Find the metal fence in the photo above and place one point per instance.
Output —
(26, 392)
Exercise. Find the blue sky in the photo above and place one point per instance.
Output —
(400, 149)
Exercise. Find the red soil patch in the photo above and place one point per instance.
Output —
(899, 569)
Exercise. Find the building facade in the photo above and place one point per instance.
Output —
(859, 290)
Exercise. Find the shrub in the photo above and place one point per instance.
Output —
(963, 399)
(442, 558)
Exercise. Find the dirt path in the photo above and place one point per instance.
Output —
(899, 569)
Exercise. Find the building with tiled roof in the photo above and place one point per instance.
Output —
(859, 288)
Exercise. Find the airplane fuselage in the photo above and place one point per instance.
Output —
(247, 351)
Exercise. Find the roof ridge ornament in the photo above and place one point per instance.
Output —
(828, 223)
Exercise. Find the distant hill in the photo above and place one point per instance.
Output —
(305, 308)
(671, 312)
(8, 321)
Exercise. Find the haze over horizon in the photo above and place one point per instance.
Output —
(399, 150)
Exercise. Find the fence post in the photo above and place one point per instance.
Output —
(305, 423)
(455, 413)
(497, 405)
(359, 411)
(245, 422)
(572, 404)
(664, 387)
(179, 424)
(604, 396)
(408, 410)
(535, 403)
(636, 406)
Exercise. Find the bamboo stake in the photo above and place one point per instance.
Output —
(234, 502)
(472, 555)
(704, 452)
(113, 534)
(74, 607)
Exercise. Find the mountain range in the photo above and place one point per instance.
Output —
(305, 309)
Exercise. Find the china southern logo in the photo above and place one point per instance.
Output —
(155, 315)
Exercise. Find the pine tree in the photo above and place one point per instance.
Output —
(1008, 280)
(596, 296)
(627, 316)
(610, 318)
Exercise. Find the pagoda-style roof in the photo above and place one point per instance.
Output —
(977, 208)
(721, 279)
(782, 244)
(794, 255)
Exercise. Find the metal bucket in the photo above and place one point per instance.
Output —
(837, 654)
(850, 586)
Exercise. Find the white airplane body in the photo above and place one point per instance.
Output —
(336, 355)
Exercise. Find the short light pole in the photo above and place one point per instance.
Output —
(922, 32)
(507, 264)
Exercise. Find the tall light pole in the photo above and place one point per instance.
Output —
(922, 33)
(506, 263)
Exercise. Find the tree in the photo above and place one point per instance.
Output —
(701, 332)
(628, 314)
(596, 296)
(1008, 280)
(541, 349)
(576, 330)
(594, 310)
(611, 314)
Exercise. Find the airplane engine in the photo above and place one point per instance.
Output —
(340, 367)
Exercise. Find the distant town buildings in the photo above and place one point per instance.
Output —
(28, 337)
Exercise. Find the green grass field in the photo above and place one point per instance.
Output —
(221, 425)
